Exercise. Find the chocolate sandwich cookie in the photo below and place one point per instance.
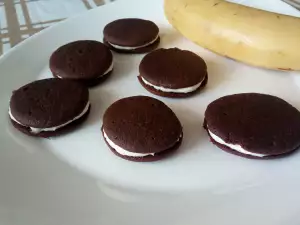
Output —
(49, 107)
(131, 35)
(141, 128)
(253, 125)
(173, 73)
(86, 61)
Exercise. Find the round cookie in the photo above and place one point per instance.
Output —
(173, 73)
(86, 61)
(49, 107)
(253, 125)
(131, 35)
(141, 128)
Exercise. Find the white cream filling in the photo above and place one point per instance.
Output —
(122, 151)
(38, 130)
(179, 90)
(136, 47)
(111, 67)
(237, 148)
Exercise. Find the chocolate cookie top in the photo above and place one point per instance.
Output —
(130, 32)
(260, 123)
(48, 103)
(173, 68)
(142, 124)
(81, 60)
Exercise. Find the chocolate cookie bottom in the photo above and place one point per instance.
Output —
(58, 132)
(172, 94)
(234, 152)
(90, 82)
(150, 158)
(142, 50)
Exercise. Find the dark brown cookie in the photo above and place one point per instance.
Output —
(263, 126)
(93, 82)
(151, 158)
(131, 35)
(146, 49)
(48, 134)
(172, 95)
(173, 72)
(86, 61)
(141, 125)
(44, 107)
(229, 150)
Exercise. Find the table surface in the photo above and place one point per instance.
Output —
(19, 19)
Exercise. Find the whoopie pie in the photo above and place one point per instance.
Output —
(131, 35)
(253, 125)
(173, 73)
(86, 61)
(49, 107)
(141, 128)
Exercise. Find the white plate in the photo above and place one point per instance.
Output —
(75, 179)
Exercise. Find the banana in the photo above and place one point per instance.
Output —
(253, 36)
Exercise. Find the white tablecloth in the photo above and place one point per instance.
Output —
(20, 19)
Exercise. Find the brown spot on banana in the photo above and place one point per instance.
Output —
(285, 69)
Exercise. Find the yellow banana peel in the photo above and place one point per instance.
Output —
(253, 36)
